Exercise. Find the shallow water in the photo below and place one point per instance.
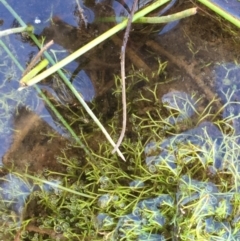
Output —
(200, 54)
(232, 7)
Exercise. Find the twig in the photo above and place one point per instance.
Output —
(123, 77)
(81, 12)
(133, 56)
(37, 57)
(42, 231)
(17, 236)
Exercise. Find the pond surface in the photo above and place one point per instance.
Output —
(182, 90)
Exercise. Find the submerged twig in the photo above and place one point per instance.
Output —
(181, 63)
(37, 57)
(123, 77)
(81, 12)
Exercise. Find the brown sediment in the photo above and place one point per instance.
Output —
(133, 56)
(31, 148)
(188, 68)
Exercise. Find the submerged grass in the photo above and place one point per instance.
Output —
(57, 67)
(169, 188)
(174, 186)
(59, 116)
(65, 79)
(221, 11)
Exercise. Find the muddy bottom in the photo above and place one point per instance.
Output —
(34, 145)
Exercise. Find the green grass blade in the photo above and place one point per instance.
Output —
(59, 116)
(44, 63)
(68, 83)
(94, 42)
(16, 30)
(221, 12)
(52, 184)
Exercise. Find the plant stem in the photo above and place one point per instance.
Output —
(80, 52)
(44, 63)
(156, 20)
(16, 30)
(59, 116)
(94, 42)
(221, 12)
(123, 77)
(37, 57)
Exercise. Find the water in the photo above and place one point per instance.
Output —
(182, 150)
(231, 7)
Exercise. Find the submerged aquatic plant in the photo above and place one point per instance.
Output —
(181, 185)
(178, 184)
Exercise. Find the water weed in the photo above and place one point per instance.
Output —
(180, 181)
(174, 185)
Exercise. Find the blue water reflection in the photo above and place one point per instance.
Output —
(216, 151)
(14, 193)
(37, 14)
(227, 77)
(12, 100)
(232, 6)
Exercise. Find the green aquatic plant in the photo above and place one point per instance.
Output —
(170, 187)
(87, 47)
(28, 29)
(10, 99)
(221, 11)
(180, 181)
